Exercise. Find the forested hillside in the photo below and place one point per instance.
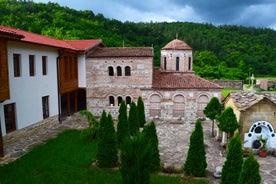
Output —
(220, 52)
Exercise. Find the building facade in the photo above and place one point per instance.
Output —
(170, 91)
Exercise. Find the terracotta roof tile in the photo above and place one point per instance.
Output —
(79, 45)
(123, 52)
(177, 45)
(245, 99)
(8, 32)
(180, 80)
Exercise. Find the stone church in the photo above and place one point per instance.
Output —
(170, 91)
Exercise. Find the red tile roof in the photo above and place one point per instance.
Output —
(123, 52)
(180, 80)
(78, 45)
(8, 32)
(177, 45)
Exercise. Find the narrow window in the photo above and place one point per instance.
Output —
(45, 106)
(190, 63)
(110, 71)
(31, 65)
(165, 63)
(127, 71)
(119, 71)
(44, 65)
(119, 100)
(111, 101)
(177, 64)
(9, 111)
(128, 100)
(16, 65)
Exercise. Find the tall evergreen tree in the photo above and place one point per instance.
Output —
(141, 112)
(195, 163)
(122, 126)
(135, 160)
(228, 122)
(152, 139)
(133, 119)
(250, 173)
(212, 110)
(233, 164)
(93, 125)
(107, 146)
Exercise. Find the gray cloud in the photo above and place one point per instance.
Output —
(258, 13)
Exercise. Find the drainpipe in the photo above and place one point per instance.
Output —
(58, 88)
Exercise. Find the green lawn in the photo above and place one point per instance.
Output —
(66, 159)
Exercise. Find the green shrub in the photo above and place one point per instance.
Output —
(233, 164)
(135, 160)
(195, 163)
(107, 147)
(152, 140)
(122, 126)
(133, 119)
(141, 112)
(93, 125)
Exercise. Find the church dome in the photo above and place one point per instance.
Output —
(177, 45)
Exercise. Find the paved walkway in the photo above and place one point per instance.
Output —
(173, 145)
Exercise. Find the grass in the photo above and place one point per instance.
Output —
(225, 92)
(67, 159)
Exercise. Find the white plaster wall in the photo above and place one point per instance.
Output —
(26, 91)
(82, 71)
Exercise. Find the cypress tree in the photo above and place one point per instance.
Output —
(250, 171)
(133, 119)
(135, 160)
(228, 121)
(152, 139)
(107, 147)
(141, 112)
(195, 163)
(122, 126)
(212, 110)
(233, 164)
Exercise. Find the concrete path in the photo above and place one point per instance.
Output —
(174, 140)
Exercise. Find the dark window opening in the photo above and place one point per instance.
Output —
(16, 65)
(9, 111)
(31, 65)
(127, 71)
(110, 71)
(44, 65)
(45, 106)
(165, 63)
(190, 63)
(111, 100)
(128, 100)
(119, 71)
(119, 100)
(177, 64)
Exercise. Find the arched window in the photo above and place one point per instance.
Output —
(165, 63)
(111, 100)
(127, 71)
(110, 71)
(177, 64)
(128, 100)
(119, 100)
(119, 71)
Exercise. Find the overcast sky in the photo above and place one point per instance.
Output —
(258, 13)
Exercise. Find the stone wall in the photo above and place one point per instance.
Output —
(229, 84)
(31, 130)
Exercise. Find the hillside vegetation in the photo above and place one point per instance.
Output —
(220, 52)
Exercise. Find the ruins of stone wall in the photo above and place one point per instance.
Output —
(229, 84)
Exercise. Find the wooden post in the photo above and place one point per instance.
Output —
(68, 105)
